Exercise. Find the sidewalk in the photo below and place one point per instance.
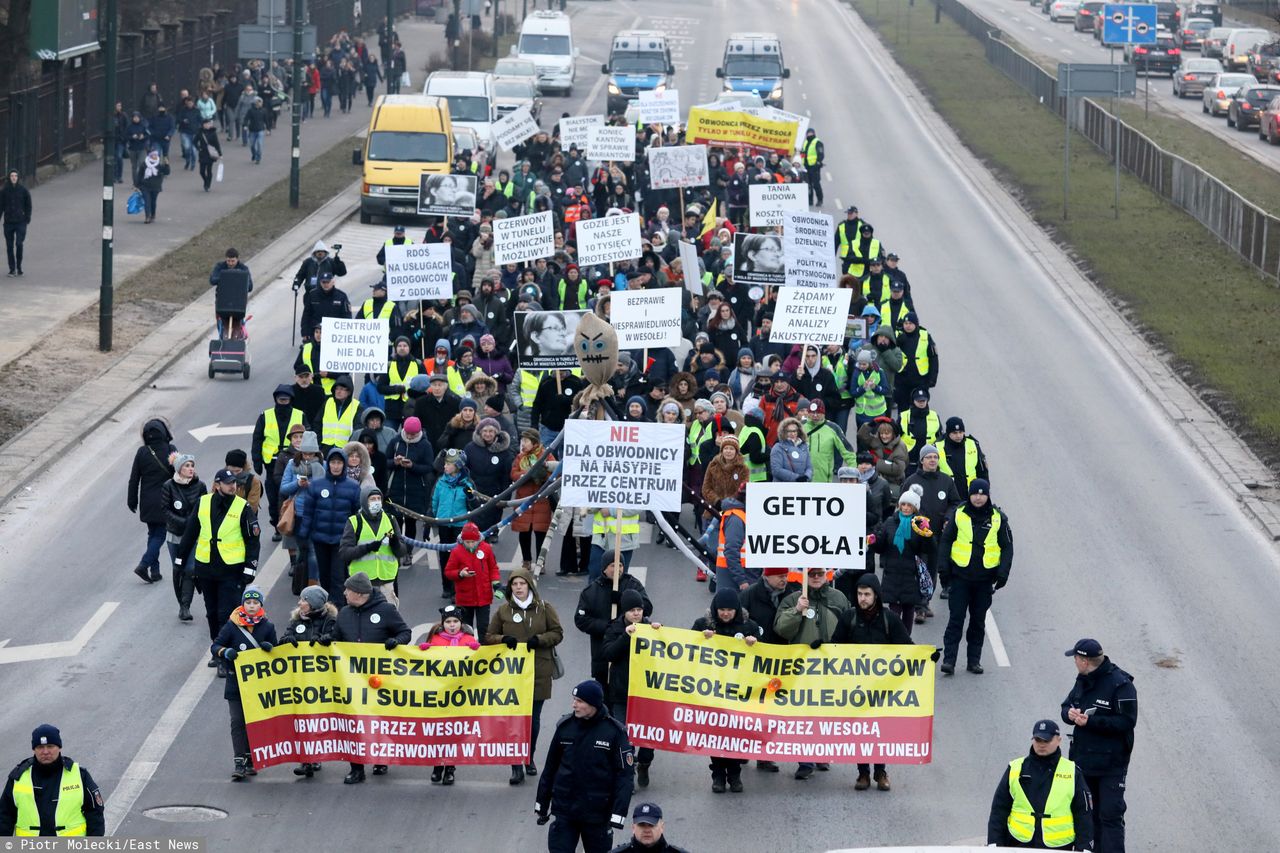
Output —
(63, 251)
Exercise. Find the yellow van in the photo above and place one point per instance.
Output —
(408, 135)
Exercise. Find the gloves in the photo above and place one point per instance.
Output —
(509, 640)
(816, 644)
(936, 654)
(266, 647)
(802, 479)
(544, 819)
(292, 640)
(370, 547)
(229, 654)
(297, 285)
(615, 596)
(249, 573)
(422, 647)
(391, 643)
(324, 639)
(533, 642)
(1000, 582)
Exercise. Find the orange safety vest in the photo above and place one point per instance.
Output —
(721, 563)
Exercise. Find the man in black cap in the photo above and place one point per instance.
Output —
(326, 300)
(861, 251)
(974, 560)
(590, 756)
(847, 232)
(960, 456)
(397, 239)
(1103, 707)
(1040, 800)
(646, 831)
(379, 307)
(50, 795)
(270, 436)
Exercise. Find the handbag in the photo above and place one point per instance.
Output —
(135, 204)
(288, 518)
(557, 665)
(404, 80)
(924, 578)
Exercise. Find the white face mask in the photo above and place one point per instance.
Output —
(375, 507)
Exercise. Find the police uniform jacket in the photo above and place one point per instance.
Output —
(47, 790)
(1102, 746)
(1036, 780)
(590, 769)
(218, 506)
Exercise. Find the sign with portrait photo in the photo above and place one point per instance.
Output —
(446, 195)
(545, 339)
(758, 259)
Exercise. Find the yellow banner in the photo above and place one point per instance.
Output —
(730, 128)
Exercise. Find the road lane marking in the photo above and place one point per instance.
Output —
(997, 644)
(63, 648)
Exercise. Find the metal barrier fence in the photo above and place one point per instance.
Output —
(1246, 228)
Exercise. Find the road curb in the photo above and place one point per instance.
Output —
(56, 432)
(1227, 457)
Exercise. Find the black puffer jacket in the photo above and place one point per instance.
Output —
(313, 626)
(375, 621)
(880, 625)
(901, 575)
(1103, 745)
(595, 610)
(151, 469)
(179, 502)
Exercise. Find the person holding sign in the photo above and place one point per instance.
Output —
(598, 605)
(246, 628)
(726, 618)
(633, 610)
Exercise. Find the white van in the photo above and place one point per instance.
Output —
(1235, 53)
(546, 38)
(471, 99)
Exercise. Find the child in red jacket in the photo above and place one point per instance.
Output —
(473, 568)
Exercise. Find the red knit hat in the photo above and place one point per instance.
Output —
(774, 571)
(470, 533)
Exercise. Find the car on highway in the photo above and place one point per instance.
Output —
(1193, 75)
(511, 66)
(512, 93)
(1168, 15)
(1063, 10)
(1089, 16)
(1212, 11)
(1160, 58)
(1215, 41)
(466, 139)
(1268, 122)
(1217, 95)
(1235, 53)
(1248, 104)
(1191, 36)
(1263, 61)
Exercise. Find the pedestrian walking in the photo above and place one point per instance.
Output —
(255, 126)
(322, 510)
(451, 632)
(371, 543)
(1041, 801)
(150, 179)
(472, 568)
(588, 778)
(180, 495)
(136, 140)
(15, 206)
(50, 795)
(208, 151)
(1103, 707)
(532, 525)
(599, 604)
(246, 628)
(633, 607)
(904, 542)
(975, 557)
(152, 468)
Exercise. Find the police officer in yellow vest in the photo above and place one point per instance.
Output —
(397, 239)
(223, 534)
(371, 544)
(379, 307)
(51, 795)
(920, 426)
(340, 416)
(960, 456)
(847, 231)
(270, 436)
(394, 384)
(813, 154)
(974, 560)
(1041, 801)
(861, 251)
(309, 357)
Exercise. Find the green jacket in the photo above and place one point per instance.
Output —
(827, 603)
(828, 451)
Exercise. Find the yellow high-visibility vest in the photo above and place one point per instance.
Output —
(962, 548)
(68, 818)
(811, 151)
(922, 353)
(230, 540)
(932, 428)
(394, 377)
(1057, 826)
(759, 471)
(310, 360)
(697, 435)
(382, 564)
(602, 525)
(970, 460)
(366, 310)
(337, 429)
(272, 441)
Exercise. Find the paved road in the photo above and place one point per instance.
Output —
(1120, 535)
(1060, 41)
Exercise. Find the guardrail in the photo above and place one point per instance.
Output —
(1250, 231)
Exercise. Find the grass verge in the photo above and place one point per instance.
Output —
(148, 298)
(1189, 294)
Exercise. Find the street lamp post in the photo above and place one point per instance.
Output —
(295, 164)
(106, 291)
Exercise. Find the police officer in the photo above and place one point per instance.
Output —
(1041, 800)
(974, 560)
(379, 307)
(589, 755)
(223, 532)
(646, 831)
(1103, 706)
(326, 300)
(270, 436)
(51, 795)
(813, 154)
(397, 239)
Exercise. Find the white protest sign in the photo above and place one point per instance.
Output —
(813, 271)
(631, 466)
(419, 271)
(523, 238)
(647, 318)
(574, 130)
(769, 201)
(353, 346)
(678, 166)
(659, 107)
(514, 128)
(811, 315)
(611, 143)
(691, 268)
(613, 238)
(806, 525)
(808, 245)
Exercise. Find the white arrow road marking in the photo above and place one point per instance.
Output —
(64, 649)
(217, 429)
(997, 644)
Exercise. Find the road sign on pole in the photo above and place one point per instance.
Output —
(1076, 80)
(1129, 23)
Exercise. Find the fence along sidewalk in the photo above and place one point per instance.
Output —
(1246, 228)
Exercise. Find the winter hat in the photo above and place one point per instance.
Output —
(818, 406)
(299, 429)
(728, 401)
(489, 422)
(182, 459)
(725, 599)
(953, 424)
(412, 426)
(315, 597)
(727, 438)
(630, 600)
(774, 571)
(703, 404)
(283, 390)
(237, 458)
(713, 373)
(929, 449)
(470, 533)
(865, 456)
(359, 583)
(402, 338)
(847, 473)
(670, 406)
(532, 435)
(468, 403)
(912, 496)
(910, 317)
(864, 357)
(488, 339)
(495, 402)
(591, 692)
(251, 593)
(980, 487)
(46, 735)
(920, 394)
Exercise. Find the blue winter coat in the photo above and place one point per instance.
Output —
(449, 499)
(323, 509)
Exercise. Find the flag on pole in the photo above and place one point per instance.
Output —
(709, 220)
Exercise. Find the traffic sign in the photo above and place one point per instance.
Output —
(1088, 80)
(1129, 23)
